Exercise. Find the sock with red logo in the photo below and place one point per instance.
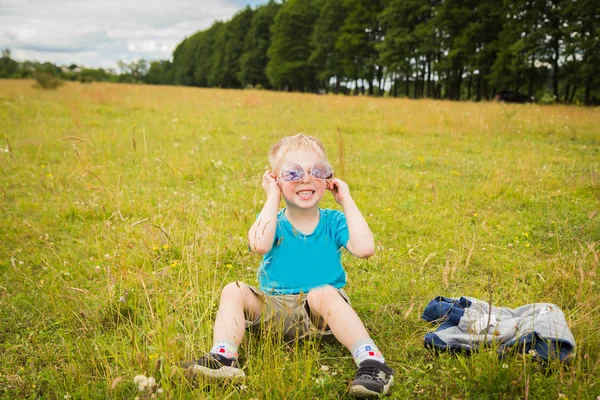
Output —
(365, 349)
(225, 349)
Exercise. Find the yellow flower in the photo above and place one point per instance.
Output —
(527, 245)
(154, 248)
(152, 356)
(49, 176)
(43, 166)
(455, 173)
(166, 247)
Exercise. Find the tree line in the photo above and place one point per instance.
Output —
(548, 50)
(130, 72)
(450, 49)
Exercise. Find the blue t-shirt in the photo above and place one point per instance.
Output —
(299, 262)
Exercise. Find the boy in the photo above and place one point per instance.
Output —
(301, 275)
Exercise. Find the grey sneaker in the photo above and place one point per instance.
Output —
(216, 366)
(373, 378)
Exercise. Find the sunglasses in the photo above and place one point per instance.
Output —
(294, 172)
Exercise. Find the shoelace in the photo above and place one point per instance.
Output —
(370, 372)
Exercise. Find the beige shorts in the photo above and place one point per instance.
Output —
(290, 315)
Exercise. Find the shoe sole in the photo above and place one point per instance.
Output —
(221, 373)
(359, 391)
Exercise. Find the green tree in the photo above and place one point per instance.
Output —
(398, 52)
(325, 57)
(520, 47)
(358, 39)
(204, 54)
(582, 50)
(227, 50)
(134, 71)
(8, 66)
(92, 75)
(184, 60)
(290, 49)
(253, 63)
(160, 73)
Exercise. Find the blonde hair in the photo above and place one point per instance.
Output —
(291, 143)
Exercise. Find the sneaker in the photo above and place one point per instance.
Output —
(373, 378)
(216, 366)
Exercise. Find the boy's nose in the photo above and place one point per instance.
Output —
(306, 178)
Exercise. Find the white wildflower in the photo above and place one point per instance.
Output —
(141, 381)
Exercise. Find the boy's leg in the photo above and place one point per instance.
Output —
(237, 302)
(374, 377)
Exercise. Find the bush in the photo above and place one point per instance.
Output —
(46, 80)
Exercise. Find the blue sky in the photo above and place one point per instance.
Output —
(98, 33)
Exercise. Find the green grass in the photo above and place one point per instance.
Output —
(125, 211)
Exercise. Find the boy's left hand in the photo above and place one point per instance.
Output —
(339, 189)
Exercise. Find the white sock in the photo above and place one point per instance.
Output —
(225, 349)
(365, 349)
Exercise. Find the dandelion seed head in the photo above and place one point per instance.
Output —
(141, 381)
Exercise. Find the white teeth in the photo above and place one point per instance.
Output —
(305, 193)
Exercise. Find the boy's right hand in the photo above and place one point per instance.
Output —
(269, 184)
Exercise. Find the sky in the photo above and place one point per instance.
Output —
(98, 33)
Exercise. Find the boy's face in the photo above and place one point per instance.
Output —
(305, 193)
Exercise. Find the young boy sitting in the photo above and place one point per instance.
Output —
(301, 275)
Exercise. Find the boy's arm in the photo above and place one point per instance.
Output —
(360, 243)
(262, 232)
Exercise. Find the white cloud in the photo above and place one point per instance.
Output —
(98, 33)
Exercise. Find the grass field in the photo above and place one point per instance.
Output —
(125, 211)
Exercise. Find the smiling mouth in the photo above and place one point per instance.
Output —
(305, 193)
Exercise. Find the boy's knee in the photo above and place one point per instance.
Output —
(322, 295)
(233, 290)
